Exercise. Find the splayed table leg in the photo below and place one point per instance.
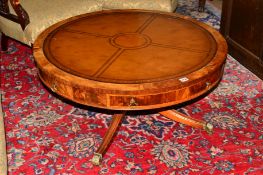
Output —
(187, 120)
(116, 120)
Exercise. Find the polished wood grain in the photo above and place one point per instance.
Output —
(110, 59)
(242, 26)
(116, 121)
(127, 60)
(179, 117)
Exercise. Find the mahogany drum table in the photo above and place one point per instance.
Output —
(126, 60)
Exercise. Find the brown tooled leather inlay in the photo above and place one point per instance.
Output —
(130, 40)
(126, 47)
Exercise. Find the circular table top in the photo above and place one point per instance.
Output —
(129, 52)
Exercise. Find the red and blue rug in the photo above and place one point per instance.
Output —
(46, 135)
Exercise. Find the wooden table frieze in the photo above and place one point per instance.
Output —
(125, 60)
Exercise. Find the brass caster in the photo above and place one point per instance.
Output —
(97, 158)
(208, 127)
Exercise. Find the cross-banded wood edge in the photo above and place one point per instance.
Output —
(130, 96)
(199, 83)
(115, 123)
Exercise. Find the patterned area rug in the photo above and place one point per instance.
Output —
(46, 135)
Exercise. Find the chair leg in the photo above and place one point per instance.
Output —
(201, 6)
(4, 42)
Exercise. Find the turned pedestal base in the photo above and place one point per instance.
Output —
(171, 114)
(124, 61)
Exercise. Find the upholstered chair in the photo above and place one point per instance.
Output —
(160, 5)
(24, 20)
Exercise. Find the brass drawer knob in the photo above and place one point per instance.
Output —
(208, 85)
(133, 102)
(54, 87)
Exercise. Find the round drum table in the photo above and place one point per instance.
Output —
(126, 60)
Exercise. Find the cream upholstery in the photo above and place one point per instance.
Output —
(13, 30)
(44, 13)
(161, 5)
(3, 157)
(52, 15)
